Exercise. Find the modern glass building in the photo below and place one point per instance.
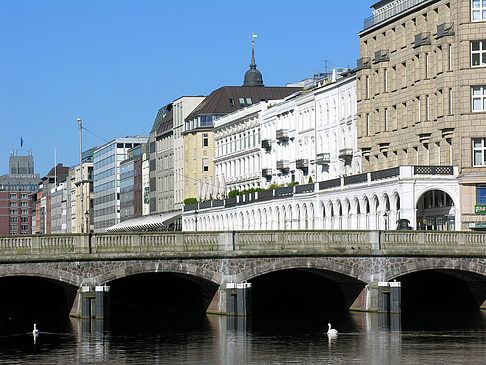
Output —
(106, 180)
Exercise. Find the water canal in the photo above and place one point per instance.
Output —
(453, 337)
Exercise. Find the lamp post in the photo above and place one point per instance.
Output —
(81, 173)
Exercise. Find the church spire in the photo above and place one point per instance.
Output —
(253, 77)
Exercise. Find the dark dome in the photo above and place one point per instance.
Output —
(253, 77)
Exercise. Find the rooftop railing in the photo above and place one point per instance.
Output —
(389, 11)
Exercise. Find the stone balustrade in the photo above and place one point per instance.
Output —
(255, 243)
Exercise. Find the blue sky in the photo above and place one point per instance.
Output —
(115, 63)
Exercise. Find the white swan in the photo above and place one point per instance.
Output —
(35, 331)
(331, 331)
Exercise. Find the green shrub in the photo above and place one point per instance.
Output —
(188, 201)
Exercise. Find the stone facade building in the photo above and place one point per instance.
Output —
(421, 94)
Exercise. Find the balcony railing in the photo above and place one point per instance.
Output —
(381, 56)
(389, 11)
(266, 172)
(266, 144)
(282, 134)
(445, 29)
(422, 39)
(433, 170)
(346, 153)
(323, 158)
(363, 63)
(302, 164)
(283, 165)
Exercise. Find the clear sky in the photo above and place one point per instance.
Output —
(114, 63)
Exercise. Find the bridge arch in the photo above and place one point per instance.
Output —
(326, 264)
(415, 265)
(152, 267)
(44, 271)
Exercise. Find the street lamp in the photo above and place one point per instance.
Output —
(385, 215)
(81, 172)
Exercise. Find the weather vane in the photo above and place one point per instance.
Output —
(253, 36)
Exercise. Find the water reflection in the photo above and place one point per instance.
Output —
(364, 338)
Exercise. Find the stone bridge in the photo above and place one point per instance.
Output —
(356, 262)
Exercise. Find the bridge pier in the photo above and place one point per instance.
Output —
(238, 299)
(92, 302)
(389, 297)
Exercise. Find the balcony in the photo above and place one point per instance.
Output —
(381, 56)
(302, 164)
(282, 134)
(266, 144)
(346, 153)
(363, 63)
(445, 30)
(323, 158)
(266, 172)
(422, 39)
(283, 165)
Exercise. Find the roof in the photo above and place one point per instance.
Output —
(219, 101)
(146, 223)
(160, 115)
(60, 171)
(166, 123)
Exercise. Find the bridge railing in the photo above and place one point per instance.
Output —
(245, 242)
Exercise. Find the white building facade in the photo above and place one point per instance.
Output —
(310, 138)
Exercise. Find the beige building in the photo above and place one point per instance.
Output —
(198, 161)
(421, 95)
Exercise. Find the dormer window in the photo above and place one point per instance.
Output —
(232, 102)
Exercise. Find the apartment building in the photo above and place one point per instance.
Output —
(421, 96)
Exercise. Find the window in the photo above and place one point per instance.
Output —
(12, 195)
(368, 124)
(427, 108)
(242, 101)
(13, 204)
(13, 228)
(426, 65)
(205, 165)
(386, 119)
(478, 10)
(479, 98)
(205, 140)
(367, 85)
(24, 204)
(479, 151)
(13, 211)
(385, 80)
(24, 219)
(450, 102)
(449, 63)
(24, 196)
(248, 101)
(24, 227)
(478, 53)
(13, 219)
(25, 212)
(232, 103)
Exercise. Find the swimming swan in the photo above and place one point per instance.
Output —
(331, 331)
(35, 331)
